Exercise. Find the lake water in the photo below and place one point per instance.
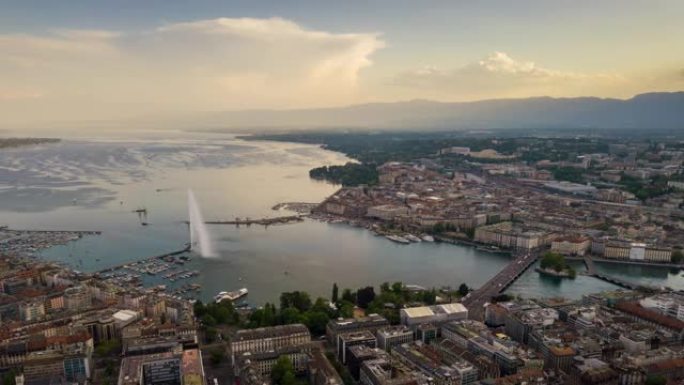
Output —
(97, 183)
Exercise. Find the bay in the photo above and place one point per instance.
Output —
(96, 183)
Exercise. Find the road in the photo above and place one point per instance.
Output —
(476, 300)
(222, 371)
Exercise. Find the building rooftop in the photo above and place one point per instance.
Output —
(369, 319)
(427, 311)
(394, 331)
(270, 332)
(131, 367)
(357, 336)
(125, 315)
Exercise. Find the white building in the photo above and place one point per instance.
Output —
(393, 336)
(669, 304)
(414, 316)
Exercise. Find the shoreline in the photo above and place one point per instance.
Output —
(368, 225)
(628, 262)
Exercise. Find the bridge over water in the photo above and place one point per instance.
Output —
(496, 285)
(523, 260)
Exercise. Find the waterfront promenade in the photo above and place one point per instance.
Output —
(259, 221)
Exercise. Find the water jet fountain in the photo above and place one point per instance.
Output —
(200, 241)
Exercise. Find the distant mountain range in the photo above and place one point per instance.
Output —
(645, 111)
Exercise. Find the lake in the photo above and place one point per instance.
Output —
(97, 183)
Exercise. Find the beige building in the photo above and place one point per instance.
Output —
(53, 303)
(32, 311)
(571, 245)
(506, 236)
(43, 365)
(269, 339)
(77, 298)
(387, 212)
(637, 252)
(658, 254)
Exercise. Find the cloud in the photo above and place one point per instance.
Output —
(217, 64)
(19, 94)
(500, 75)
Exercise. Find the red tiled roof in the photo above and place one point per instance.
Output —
(666, 365)
(650, 315)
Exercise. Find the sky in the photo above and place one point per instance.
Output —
(100, 60)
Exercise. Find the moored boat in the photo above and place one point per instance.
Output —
(398, 239)
(231, 295)
(412, 238)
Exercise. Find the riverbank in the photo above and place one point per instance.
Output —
(629, 262)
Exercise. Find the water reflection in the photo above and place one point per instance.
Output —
(232, 179)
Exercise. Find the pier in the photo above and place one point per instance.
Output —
(259, 221)
(162, 256)
(39, 231)
(476, 300)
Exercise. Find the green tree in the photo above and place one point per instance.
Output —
(346, 309)
(107, 348)
(216, 355)
(470, 233)
(463, 289)
(385, 287)
(656, 380)
(335, 293)
(365, 296)
(199, 309)
(288, 379)
(348, 296)
(280, 370)
(552, 261)
(208, 320)
(210, 334)
(351, 174)
(429, 297)
(109, 368)
(322, 305)
(438, 228)
(501, 298)
(297, 299)
(221, 314)
(8, 378)
(316, 321)
(290, 316)
(398, 287)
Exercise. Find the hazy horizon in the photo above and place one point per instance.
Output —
(93, 61)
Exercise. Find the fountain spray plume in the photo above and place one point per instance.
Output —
(200, 241)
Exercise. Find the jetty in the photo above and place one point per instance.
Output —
(298, 207)
(258, 221)
(162, 256)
